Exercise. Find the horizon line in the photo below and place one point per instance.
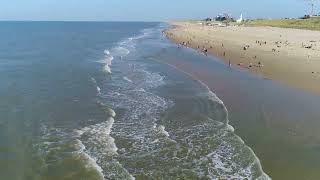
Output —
(128, 21)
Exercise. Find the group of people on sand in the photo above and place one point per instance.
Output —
(204, 50)
(276, 46)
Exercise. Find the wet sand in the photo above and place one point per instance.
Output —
(290, 56)
(280, 123)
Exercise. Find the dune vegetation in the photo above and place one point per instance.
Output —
(310, 24)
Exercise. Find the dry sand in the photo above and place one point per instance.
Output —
(291, 56)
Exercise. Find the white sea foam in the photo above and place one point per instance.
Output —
(98, 90)
(141, 90)
(146, 80)
(147, 139)
(96, 84)
(224, 167)
(120, 51)
(93, 80)
(111, 112)
(107, 69)
(107, 61)
(99, 135)
(213, 97)
(145, 33)
(137, 125)
(127, 79)
(131, 41)
(91, 163)
(163, 131)
(79, 145)
(65, 143)
(107, 52)
(100, 145)
(117, 52)
(102, 148)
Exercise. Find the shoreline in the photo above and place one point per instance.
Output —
(290, 56)
(264, 175)
(264, 113)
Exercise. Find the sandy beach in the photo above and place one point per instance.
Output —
(290, 56)
(280, 123)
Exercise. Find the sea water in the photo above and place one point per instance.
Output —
(84, 100)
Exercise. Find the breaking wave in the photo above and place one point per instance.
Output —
(230, 157)
(58, 148)
(121, 50)
(185, 135)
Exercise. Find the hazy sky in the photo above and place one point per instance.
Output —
(146, 10)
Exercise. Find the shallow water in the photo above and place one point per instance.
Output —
(91, 101)
(281, 124)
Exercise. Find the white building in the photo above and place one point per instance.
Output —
(240, 19)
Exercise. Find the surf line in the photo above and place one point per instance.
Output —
(226, 123)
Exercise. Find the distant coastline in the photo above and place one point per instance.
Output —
(287, 55)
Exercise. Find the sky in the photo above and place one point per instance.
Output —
(147, 10)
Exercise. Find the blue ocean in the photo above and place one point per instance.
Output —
(93, 100)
